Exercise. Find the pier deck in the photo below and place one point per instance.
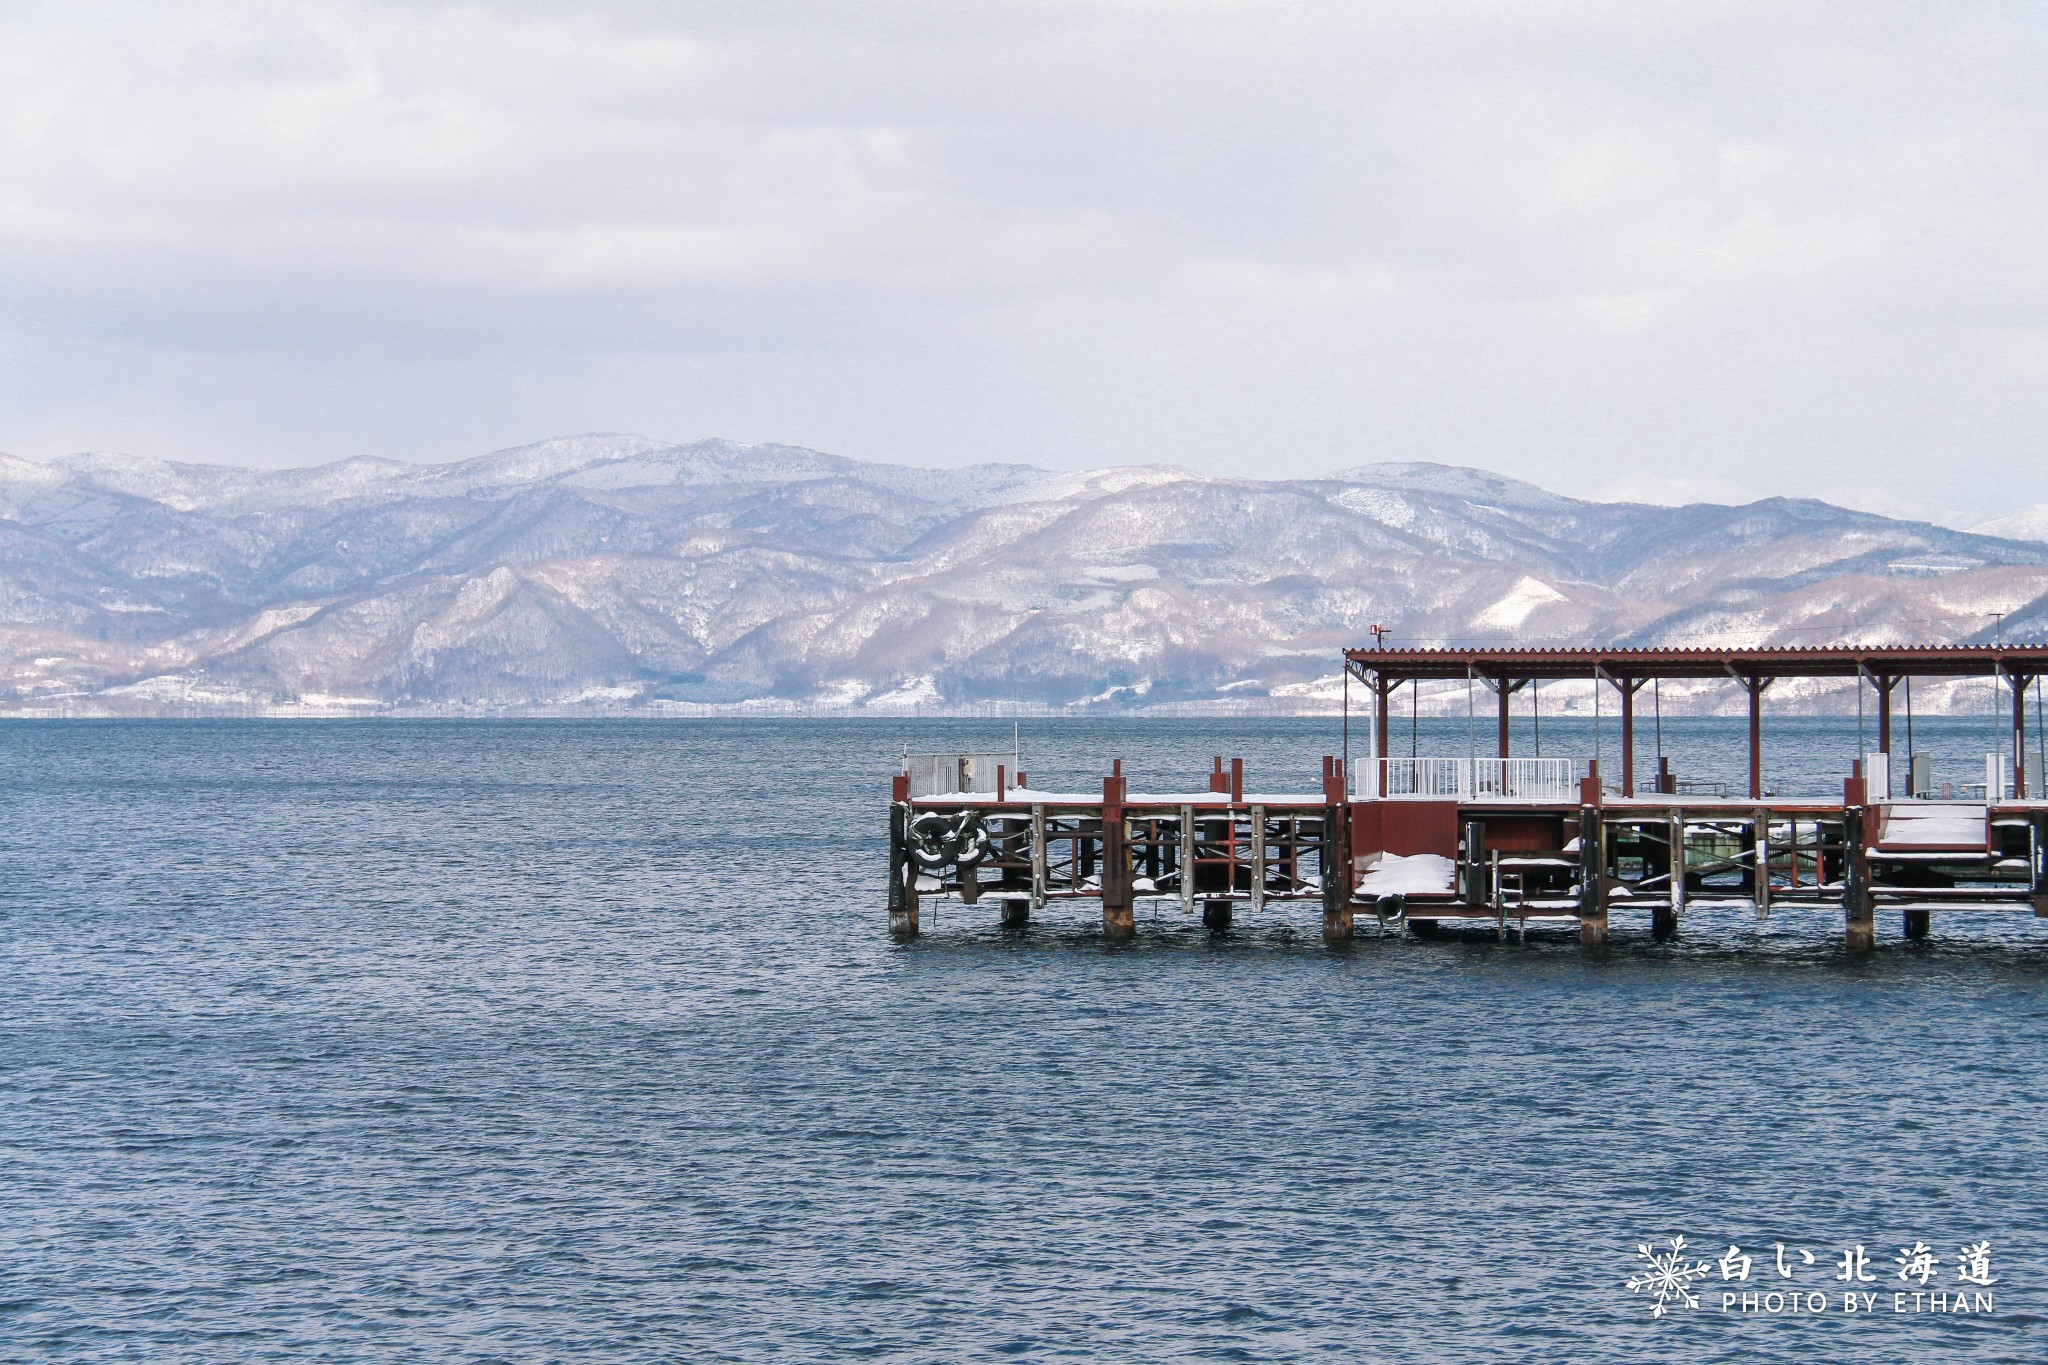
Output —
(1502, 839)
(1422, 863)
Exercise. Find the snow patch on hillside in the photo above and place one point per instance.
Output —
(1524, 598)
(919, 691)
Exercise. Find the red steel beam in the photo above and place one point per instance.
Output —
(1896, 661)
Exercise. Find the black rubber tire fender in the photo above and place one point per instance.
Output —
(970, 840)
(929, 840)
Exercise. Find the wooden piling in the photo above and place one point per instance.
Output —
(902, 871)
(1593, 874)
(1859, 923)
(1119, 923)
(1337, 925)
(1336, 868)
(2040, 887)
(1664, 918)
(1216, 916)
(1915, 923)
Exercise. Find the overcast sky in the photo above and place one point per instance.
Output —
(1662, 250)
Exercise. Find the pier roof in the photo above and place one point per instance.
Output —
(1835, 661)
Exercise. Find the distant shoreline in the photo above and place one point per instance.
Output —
(1810, 709)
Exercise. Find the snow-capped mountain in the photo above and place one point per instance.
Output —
(2029, 523)
(619, 572)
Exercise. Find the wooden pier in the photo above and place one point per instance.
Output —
(1505, 840)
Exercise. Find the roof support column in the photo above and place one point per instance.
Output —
(1885, 683)
(1382, 689)
(1754, 684)
(1628, 735)
(1755, 687)
(2019, 735)
(1628, 687)
(1505, 690)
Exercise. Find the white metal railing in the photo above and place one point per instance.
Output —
(1466, 779)
(961, 774)
(1894, 777)
(1998, 777)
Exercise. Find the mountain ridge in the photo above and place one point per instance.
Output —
(617, 572)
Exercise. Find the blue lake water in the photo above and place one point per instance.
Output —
(584, 1041)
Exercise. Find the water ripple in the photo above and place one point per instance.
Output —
(582, 1041)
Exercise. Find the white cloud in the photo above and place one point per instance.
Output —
(1759, 248)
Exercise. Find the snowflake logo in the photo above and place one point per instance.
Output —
(1668, 1276)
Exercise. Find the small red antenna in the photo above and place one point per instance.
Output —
(1379, 635)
